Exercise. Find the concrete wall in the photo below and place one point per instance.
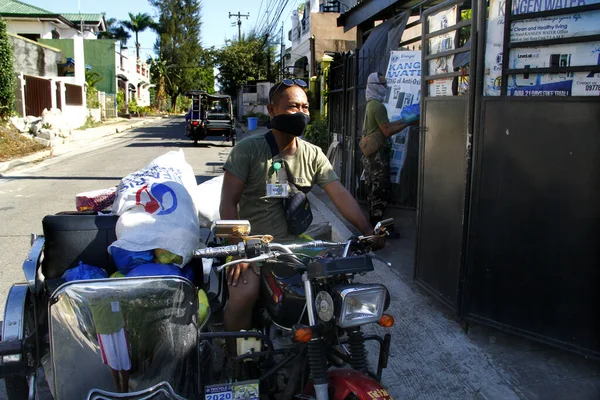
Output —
(71, 48)
(330, 37)
(100, 54)
(37, 59)
(76, 115)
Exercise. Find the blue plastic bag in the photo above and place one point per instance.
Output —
(411, 113)
(84, 272)
(126, 260)
(156, 269)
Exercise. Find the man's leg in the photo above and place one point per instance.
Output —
(238, 312)
(124, 381)
(379, 172)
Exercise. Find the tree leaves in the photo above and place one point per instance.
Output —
(184, 64)
(136, 24)
(7, 90)
(241, 61)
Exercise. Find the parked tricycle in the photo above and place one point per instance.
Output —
(210, 115)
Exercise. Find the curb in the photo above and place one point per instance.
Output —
(41, 155)
(339, 231)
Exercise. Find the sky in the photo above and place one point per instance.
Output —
(216, 27)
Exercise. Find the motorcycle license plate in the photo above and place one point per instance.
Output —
(247, 390)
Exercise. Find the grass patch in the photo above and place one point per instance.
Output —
(89, 123)
(14, 145)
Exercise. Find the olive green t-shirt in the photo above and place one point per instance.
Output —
(107, 315)
(375, 115)
(251, 161)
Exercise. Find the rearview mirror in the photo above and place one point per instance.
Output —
(231, 228)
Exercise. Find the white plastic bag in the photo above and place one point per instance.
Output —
(156, 208)
(207, 196)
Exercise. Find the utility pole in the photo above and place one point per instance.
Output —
(239, 22)
(268, 58)
(282, 56)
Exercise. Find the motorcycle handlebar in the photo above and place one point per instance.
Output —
(222, 251)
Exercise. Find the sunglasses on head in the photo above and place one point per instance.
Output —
(288, 83)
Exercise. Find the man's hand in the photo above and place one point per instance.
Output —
(350, 210)
(378, 243)
(235, 272)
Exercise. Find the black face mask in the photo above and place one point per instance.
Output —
(294, 124)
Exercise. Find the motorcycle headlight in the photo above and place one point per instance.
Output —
(361, 304)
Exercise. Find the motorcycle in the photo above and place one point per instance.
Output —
(58, 338)
(308, 319)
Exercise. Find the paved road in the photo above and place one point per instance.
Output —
(29, 193)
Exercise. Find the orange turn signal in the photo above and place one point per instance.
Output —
(303, 335)
(387, 321)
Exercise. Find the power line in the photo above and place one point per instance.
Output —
(264, 17)
(258, 15)
(276, 20)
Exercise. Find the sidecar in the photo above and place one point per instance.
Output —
(63, 339)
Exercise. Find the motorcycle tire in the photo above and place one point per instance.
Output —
(17, 387)
(232, 141)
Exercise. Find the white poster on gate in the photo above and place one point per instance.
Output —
(563, 84)
(404, 88)
(567, 25)
(443, 42)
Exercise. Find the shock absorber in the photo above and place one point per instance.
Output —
(317, 360)
(358, 352)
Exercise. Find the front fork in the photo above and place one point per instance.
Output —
(316, 353)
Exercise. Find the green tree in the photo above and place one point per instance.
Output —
(7, 90)
(136, 24)
(189, 66)
(158, 74)
(115, 31)
(244, 60)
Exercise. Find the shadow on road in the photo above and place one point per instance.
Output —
(201, 144)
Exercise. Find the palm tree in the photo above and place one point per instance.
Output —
(138, 23)
(115, 32)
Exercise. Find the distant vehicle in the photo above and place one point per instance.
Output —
(210, 115)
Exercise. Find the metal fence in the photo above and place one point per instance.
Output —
(346, 109)
(38, 95)
(73, 95)
(110, 105)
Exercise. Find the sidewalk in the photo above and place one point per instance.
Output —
(431, 355)
(75, 141)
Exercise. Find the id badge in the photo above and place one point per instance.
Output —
(277, 190)
(114, 305)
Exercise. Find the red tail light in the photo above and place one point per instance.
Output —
(195, 123)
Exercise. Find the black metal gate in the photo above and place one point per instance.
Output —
(532, 265)
(447, 115)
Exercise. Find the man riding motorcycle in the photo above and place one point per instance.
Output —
(253, 186)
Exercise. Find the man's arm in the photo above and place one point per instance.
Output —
(348, 206)
(231, 193)
(391, 128)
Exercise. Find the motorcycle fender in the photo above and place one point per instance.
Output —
(347, 381)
